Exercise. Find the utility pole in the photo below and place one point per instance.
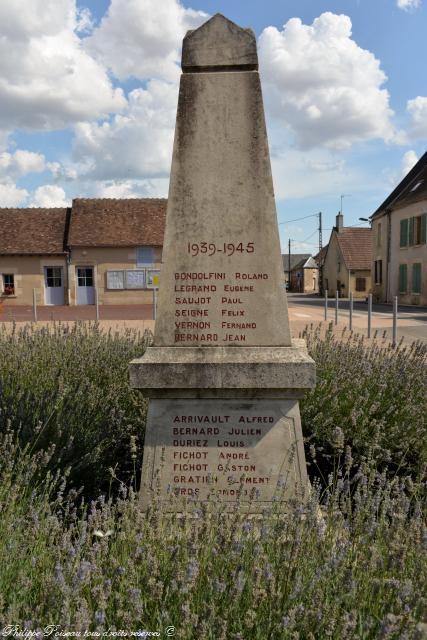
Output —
(289, 265)
(320, 258)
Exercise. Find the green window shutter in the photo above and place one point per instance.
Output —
(403, 277)
(424, 228)
(404, 233)
(416, 277)
(411, 231)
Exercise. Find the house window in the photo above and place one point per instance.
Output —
(360, 284)
(145, 256)
(404, 233)
(413, 231)
(403, 278)
(420, 229)
(416, 277)
(85, 276)
(8, 284)
(378, 271)
(339, 267)
(53, 277)
(379, 234)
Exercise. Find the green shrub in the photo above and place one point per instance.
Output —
(370, 396)
(69, 386)
(356, 572)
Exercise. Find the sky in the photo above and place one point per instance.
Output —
(88, 95)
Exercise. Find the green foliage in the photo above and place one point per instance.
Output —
(351, 563)
(372, 397)
(69, 387)
(351, 568)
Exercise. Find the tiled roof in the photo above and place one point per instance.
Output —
(412, 188)
(356, 247)
(101, 222)
(320, 257)
(32, 231)
(296, 259)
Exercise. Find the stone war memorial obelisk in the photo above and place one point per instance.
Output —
(223, 376)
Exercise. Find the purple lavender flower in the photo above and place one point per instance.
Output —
(99, 617)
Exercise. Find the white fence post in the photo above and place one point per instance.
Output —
(369, 314)
(35, 305)
(394, 341)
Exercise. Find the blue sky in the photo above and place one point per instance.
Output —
(88, 96)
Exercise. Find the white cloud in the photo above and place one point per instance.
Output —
(134, 145)
(297, 174)
(47, 79)
(409, 159)
(84, 21)
(131, 188)
(20, 163)
(407, 5)
(417, 109)
(322, 85)
(10, 194)
(142, 38)
(50, 195)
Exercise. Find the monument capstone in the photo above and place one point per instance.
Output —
(223, 376)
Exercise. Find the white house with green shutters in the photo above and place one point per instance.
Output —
(399, 236)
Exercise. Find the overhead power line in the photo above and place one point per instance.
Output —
(313, 215)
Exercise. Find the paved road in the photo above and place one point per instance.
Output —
(411, 322)
(303, 310)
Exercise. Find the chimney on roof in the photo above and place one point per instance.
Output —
(339, 224)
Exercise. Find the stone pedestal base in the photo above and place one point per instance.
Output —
(222, 449)
(223, 425)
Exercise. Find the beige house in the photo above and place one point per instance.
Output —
(347, 264)
(33, 256)
(115, 247)
(399, 241)
(304, 272)
(99, 247)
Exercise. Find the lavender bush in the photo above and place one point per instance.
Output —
(68, 386)
(369, 395)
(356, 571)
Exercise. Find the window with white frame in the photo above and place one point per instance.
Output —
(8, 284)
(126, 279)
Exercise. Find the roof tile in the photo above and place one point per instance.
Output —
(356, 247)
(102, 222)
(32, 231)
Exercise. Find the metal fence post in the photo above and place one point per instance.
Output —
(96, 304)
(35, 305)
(336, 307)
(351, 310)
(394, 341)
(326, 304)
(369, 314)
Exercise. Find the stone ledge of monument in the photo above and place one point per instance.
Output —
(219, 68)
(224, 393)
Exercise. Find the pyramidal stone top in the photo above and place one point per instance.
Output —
(219, 45)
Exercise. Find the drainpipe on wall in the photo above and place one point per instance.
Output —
(387, 290)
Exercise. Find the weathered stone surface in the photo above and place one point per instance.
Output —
(217, 44)
(223, 368)
(223, 450)
(221, 202)
(222, 344)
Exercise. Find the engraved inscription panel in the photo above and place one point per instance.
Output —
(223, 448)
